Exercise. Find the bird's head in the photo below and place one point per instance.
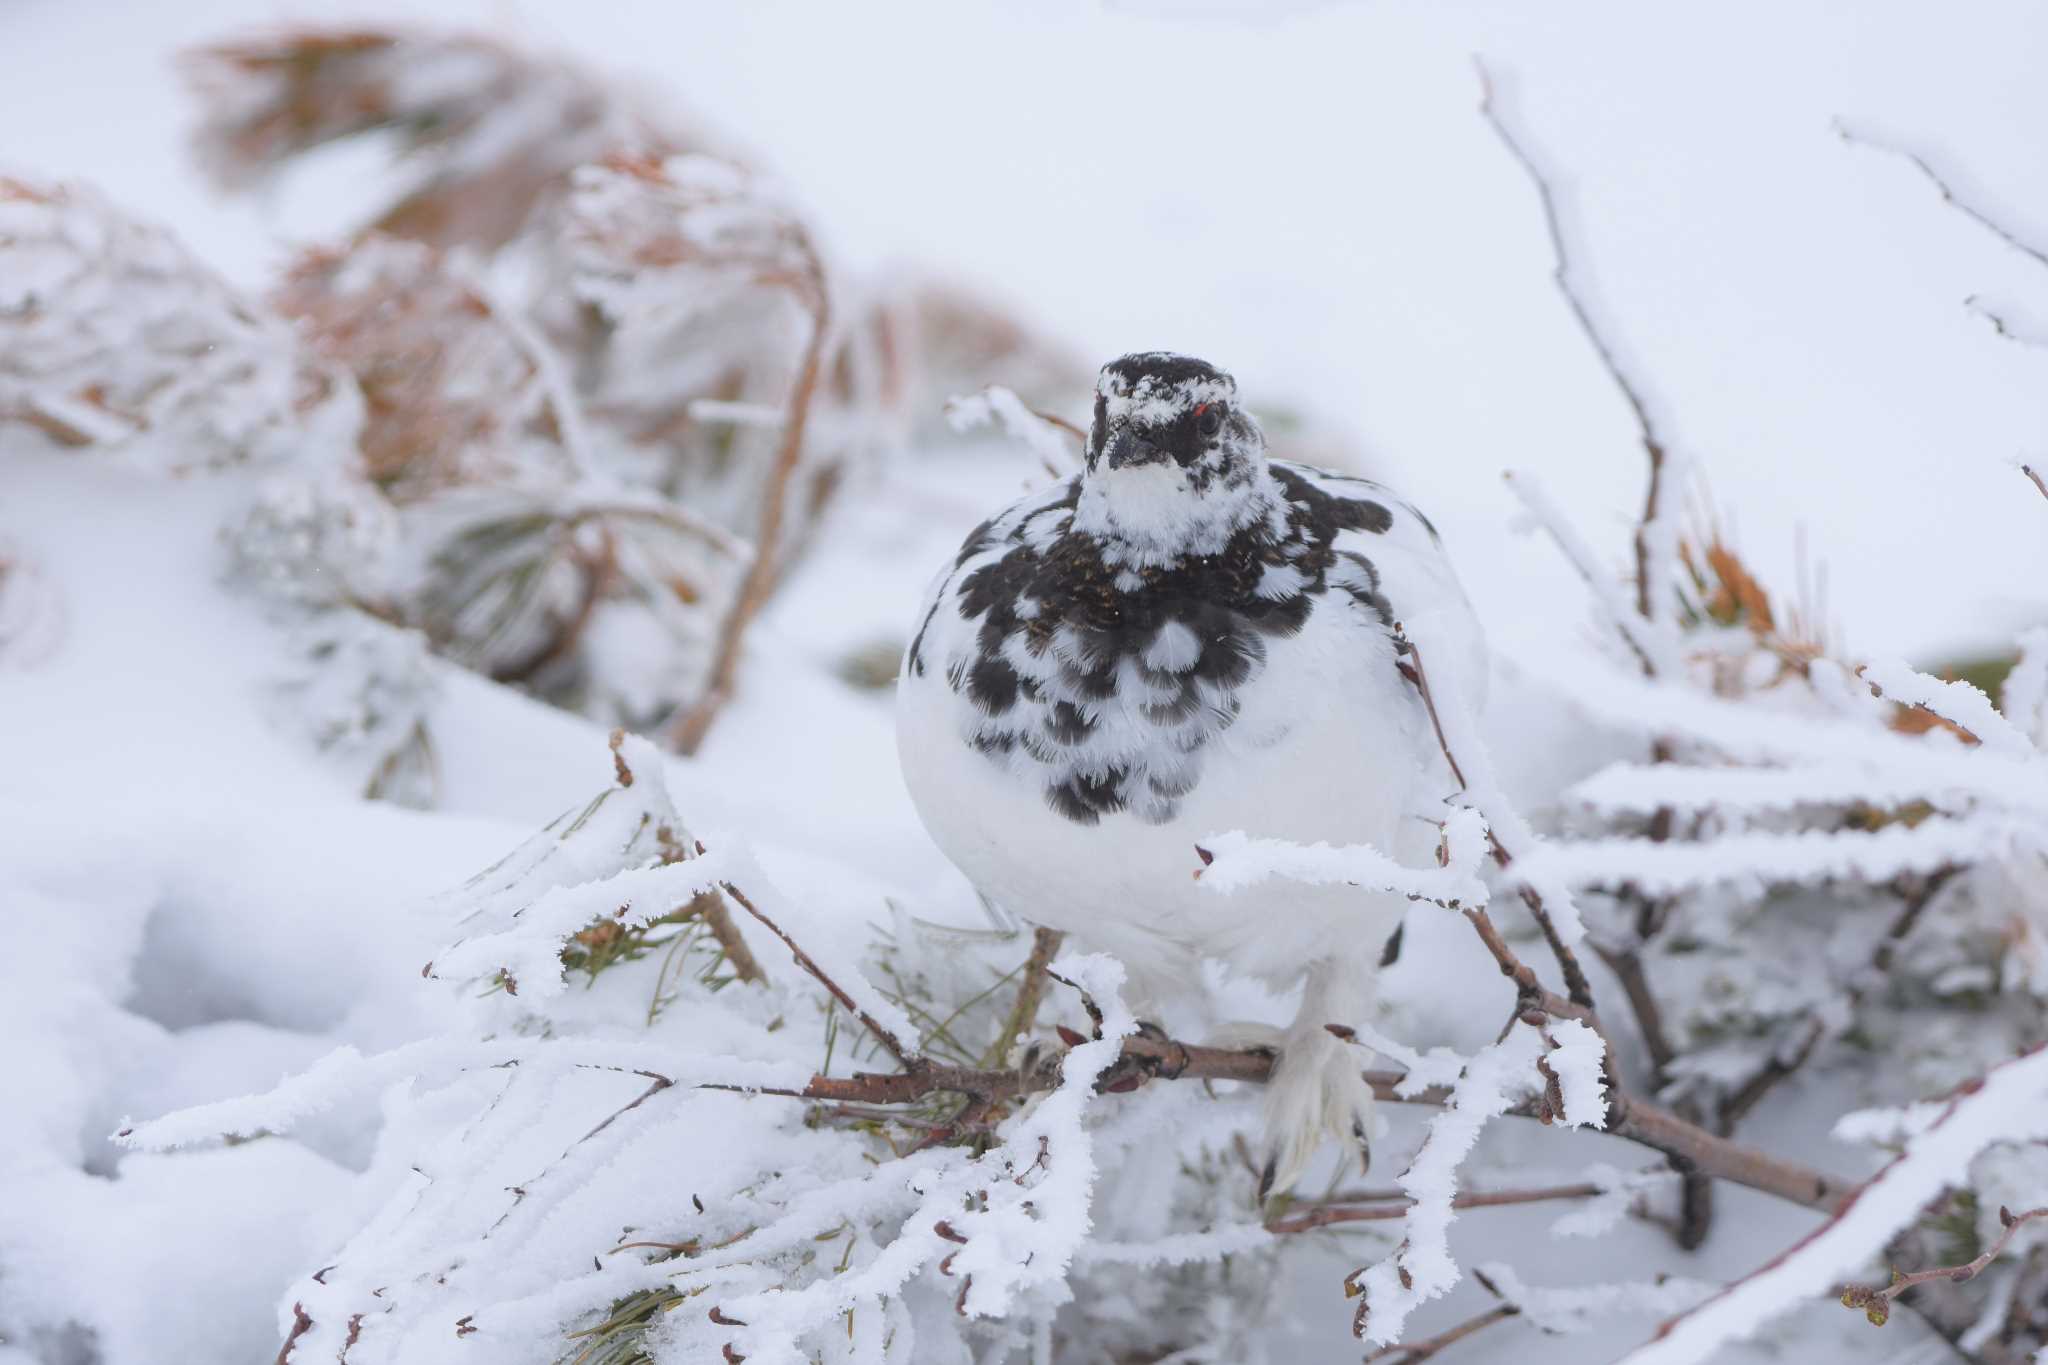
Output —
(1174, 465)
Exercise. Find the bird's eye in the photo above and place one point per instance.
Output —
(1209, 418)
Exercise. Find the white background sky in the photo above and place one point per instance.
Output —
(1312, 200)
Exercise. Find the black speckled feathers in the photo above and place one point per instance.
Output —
(1103, 682)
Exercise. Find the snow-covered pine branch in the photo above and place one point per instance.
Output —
(562, 1168)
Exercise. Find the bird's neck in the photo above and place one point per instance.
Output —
(1149, 516)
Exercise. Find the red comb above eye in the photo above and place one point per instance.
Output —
(1201, 408)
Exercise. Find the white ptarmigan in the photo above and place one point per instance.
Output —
(1186, 639)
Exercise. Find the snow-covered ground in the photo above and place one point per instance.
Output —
(195, 903)
(197, 906)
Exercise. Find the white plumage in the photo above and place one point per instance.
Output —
(1184, 640)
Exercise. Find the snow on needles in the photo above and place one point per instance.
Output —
(519, 1144)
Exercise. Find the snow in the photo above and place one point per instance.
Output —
(1238, 860)
(211, 943)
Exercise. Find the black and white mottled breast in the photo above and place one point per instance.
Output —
(1107, 685)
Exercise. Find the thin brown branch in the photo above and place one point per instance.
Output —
(1023, 1016)
(1909, 915)
(1328, 1213)
(710, 907)
(1145, 1059)
(1628, 969)
(656, 1083)
(688, 731)
(882, 1034)
(1776, 1068)
(1562, 274)
(1651, 1125)
(1051, 419)
(1409, 661)
(1876, 1303)
(1780, 1065)
(1405, 1353)
(2035, 475)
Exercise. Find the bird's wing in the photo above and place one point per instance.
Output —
(1412, 574)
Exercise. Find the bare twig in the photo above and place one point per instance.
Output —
(1781, 1064)
(882, 1034)
(1325, 1214)
(1023, 1016)
(688, 731)
(1909, 914)
(2035, 475)
(1145, 1058)
(1628, 969)
(656, 1083)
(709, 906)
(1877, 1303)
(1054, 420)
(1404, 1353)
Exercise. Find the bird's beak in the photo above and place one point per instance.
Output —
(1126, 447)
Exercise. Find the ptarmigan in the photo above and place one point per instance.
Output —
(1189, 638)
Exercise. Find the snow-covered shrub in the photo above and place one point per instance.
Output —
(455, 393)
(697, 314)
(488, 133)
(109, 328)
(622, 1165)
(608, 387)
(609, 604)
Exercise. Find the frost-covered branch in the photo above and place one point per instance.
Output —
(1051, 439)
(1656, 535)
(1550, 902)
(1525, 1063)
(2009, 1103)
(1542, 509)
(1326, 1213)
(110, 328)
(488, 133)
(1412, 1353)
(1944, 185)
(692, 220)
